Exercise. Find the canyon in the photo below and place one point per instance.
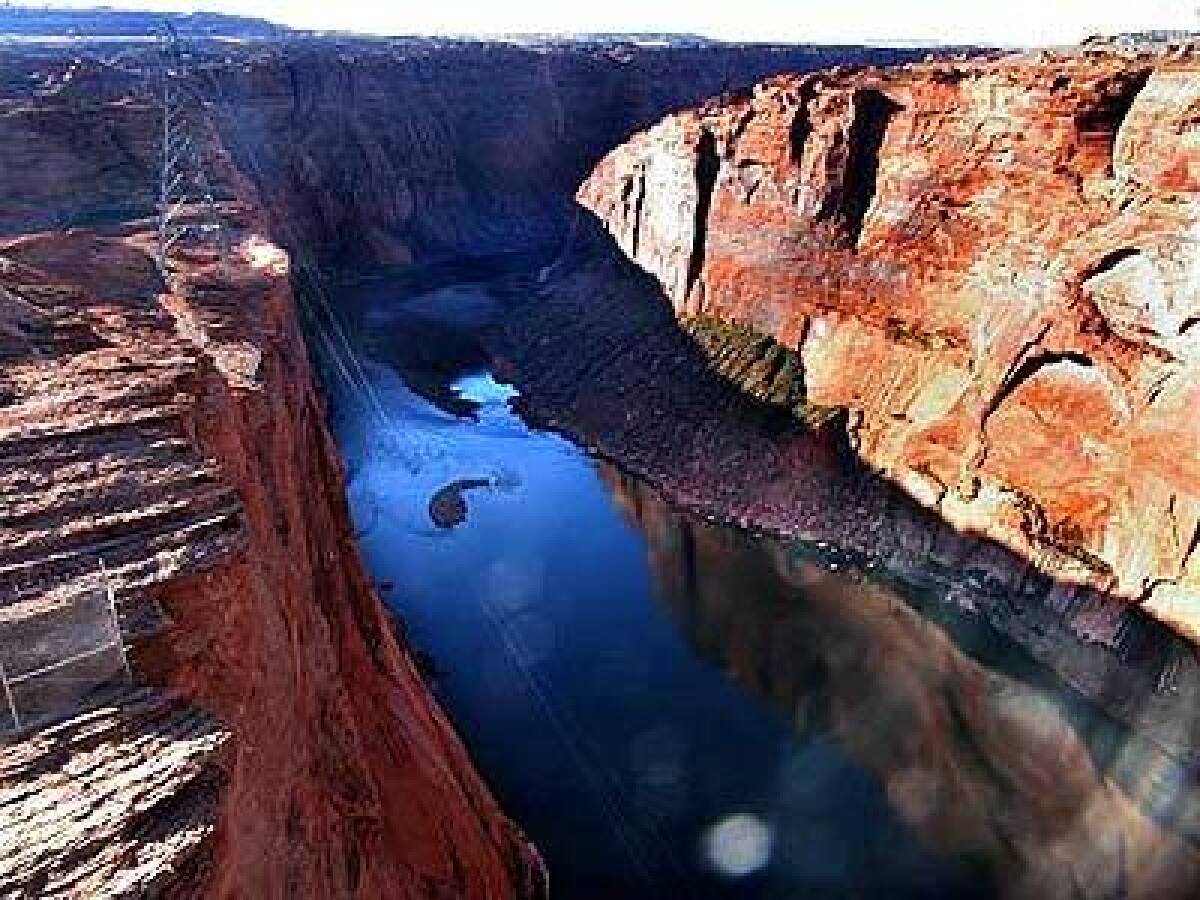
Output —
(985, 271)
(934, 318)
(276, 738)
(284, 744)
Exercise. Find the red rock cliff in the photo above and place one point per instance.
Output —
(175, 432)
(991, 264)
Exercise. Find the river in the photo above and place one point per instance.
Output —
(672, 708)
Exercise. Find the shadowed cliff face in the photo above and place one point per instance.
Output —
(469, 149)
(991, 265)
(381, 152)
(994, 764)
(188, 414)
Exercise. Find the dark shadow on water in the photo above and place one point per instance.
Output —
(673, 708)
(983, 752)
(596, 348)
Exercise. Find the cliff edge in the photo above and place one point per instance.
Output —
(989, 265)
(277, 740)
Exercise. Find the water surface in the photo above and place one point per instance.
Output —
(671, 708)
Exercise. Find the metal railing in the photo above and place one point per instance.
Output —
(58, 649)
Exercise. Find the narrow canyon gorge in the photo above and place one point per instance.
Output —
(933, 318)
(280, 741)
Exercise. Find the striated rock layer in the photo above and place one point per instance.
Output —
(991, 265)
(372, 151)
(144, 764)
(174, 432)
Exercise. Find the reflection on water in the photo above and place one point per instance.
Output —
(1047, 797)
(673, 709)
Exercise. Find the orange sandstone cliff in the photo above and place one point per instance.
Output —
(991, 265)
(277, 740)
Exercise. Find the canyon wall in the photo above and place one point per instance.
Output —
(374, 151)
(988, 265)
(370, 153)
(278, 740)
(283, 742)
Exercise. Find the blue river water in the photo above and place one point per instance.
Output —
(673, 709)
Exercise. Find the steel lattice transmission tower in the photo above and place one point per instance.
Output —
(183, 182)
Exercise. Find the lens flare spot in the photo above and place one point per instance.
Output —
(738, 845)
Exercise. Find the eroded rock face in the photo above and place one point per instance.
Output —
(992, 264)
(174, 431)
(374, 151)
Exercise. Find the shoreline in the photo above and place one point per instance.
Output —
(885, 533)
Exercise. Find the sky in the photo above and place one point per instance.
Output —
(1008, 22)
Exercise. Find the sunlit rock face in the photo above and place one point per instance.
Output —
(175, 431)
(991, 764)
(373, 151)
(416, 152)
(991, 264)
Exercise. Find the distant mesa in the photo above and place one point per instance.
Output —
(40, 22)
